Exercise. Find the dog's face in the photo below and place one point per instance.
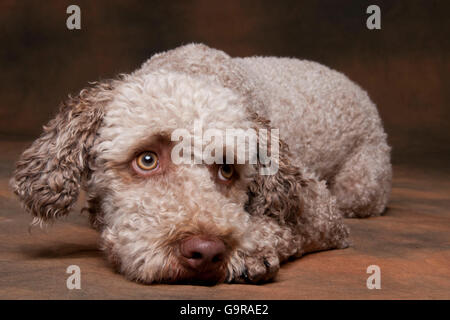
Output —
(162, 221)
(165, 221)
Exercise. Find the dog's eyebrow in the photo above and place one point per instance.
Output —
(155, 140)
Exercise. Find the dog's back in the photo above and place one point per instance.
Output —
(320, 113)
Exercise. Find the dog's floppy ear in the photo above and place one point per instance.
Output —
(276, 194)
(48, 175)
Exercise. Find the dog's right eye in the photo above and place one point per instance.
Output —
(147, 161)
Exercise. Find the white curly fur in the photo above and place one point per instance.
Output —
(338, 163)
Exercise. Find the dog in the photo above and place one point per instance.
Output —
(167, 222)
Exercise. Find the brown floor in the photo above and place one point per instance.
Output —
(410, 243)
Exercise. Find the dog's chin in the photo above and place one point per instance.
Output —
(176, 273)
(192, 277)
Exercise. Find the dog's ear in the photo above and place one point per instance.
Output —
(276, 188)
(49, 173)
(277, 193)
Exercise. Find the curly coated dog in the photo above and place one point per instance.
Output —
(162, 221)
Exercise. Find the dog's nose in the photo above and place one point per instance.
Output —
(203, 254)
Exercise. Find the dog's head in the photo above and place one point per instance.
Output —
(162, 219)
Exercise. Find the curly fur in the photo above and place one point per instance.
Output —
(48, 176)
(334, 162)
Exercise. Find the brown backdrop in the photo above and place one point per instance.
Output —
(404, 66)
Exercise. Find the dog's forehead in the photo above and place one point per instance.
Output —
(146, 106)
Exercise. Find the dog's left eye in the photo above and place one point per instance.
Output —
(226, 172)
(147, 161)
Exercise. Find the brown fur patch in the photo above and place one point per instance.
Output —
(49, 173)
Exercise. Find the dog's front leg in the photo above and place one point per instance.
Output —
(270, 244)
(293, 213)
(319, 224)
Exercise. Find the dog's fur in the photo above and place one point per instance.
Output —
(334, 162)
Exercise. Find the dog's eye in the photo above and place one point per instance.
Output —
(226, 172)
(147, 161)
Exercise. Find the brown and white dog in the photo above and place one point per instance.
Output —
(166, 222)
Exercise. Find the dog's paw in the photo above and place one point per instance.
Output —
(259, 268)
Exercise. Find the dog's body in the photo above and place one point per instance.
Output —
(187, 222)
